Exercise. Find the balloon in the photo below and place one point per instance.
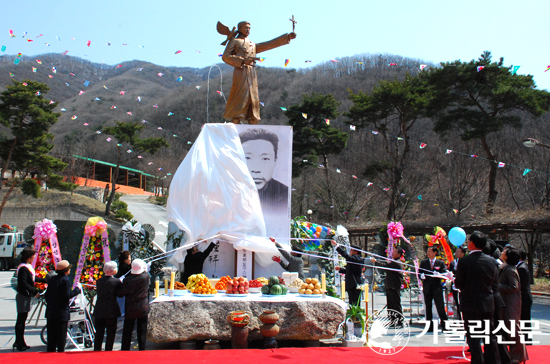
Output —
(457, 236)
(319, 228)
(323, 234)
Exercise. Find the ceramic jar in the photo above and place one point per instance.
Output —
(211, 345)
(269, 317)
(269, 330)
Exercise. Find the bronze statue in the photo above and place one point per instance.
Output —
(243, 104)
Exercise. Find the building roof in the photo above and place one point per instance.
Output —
(114, 165)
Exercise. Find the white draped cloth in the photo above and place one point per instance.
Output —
(213, 192)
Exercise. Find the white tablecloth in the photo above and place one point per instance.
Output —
(289, 297)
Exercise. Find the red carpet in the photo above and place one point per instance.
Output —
(411, 355)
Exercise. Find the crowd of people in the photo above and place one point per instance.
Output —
(131, 284)
(489, 285)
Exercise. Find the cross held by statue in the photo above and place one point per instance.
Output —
(293, 23)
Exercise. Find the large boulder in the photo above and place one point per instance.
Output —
(180, 320)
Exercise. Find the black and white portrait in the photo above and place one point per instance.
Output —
(268, 152)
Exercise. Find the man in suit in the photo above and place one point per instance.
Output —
(525, 281)
(352, 271)
(477, 280)
(393, 282)
(432, 288)
(106, 309)
(135, 288)
(459, 253)
(58, 296)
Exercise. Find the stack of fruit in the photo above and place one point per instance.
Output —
(199, 284)
(255, 284)
(312, 286)
(262, 280)
(275, 286)
(238, 285)
(222, 283)
(179, 286)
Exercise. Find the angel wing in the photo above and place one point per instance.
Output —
(224, 30)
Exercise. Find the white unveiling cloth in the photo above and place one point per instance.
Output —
(212, 191)
(290, 297)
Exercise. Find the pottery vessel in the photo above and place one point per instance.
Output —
(211, 345)
(269, 317)
(269, 330)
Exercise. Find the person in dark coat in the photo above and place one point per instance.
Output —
(393, 283)
(135, 288)
(432, 289)
(294, 259)
(525, 280)
(106, 309)
(477, 280)
(509, 287)
(25, 291)
(194, 261)
(124, 267)
(459, 253)
(58, 295)
(352, 272)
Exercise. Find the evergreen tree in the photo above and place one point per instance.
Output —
(477, 98)
(392, 108)
(313, 135)
(128, 134)
(29, 116)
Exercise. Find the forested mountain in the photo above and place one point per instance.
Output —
(437, 184)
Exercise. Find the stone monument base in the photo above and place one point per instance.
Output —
(183, 319)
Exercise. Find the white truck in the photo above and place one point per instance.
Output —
(11, 246)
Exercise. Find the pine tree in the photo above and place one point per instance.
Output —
(29, 116)
(478, 98)
(127, 136)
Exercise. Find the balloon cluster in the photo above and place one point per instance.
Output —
(314, 231)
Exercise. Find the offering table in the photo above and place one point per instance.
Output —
(189, 317)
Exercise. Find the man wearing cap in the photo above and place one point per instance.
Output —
(135, 288)
(57, 296)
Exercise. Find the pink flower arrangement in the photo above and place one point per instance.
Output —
(395, 230)
(45, 229)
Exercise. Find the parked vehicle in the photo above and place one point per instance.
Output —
(11, 246)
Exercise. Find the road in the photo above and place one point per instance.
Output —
(147, 213)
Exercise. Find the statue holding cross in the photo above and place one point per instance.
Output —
(243, 104)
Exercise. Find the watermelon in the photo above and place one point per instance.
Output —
(266, 289)
(276, 290)
(284, 289)
(273, 280)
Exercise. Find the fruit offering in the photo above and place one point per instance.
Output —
(255, 283)
(297, 283)
(274, 287)
(311, 286)
(179, 285)
(262, 280)
(199, 284)
(222, 283)
(238, 285)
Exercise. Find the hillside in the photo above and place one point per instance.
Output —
(435, 183)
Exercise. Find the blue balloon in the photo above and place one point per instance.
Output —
(457, 236)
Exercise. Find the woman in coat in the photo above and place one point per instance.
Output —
(135, 288)
(25, 291)
(57, 296)
(106, 309)
(510, 290)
